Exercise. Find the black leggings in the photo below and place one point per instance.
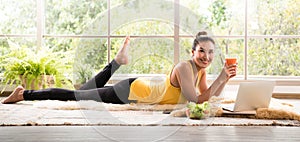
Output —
(94, 89)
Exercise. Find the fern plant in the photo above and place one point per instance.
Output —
(24, 66)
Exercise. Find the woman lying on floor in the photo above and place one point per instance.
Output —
(186, 82)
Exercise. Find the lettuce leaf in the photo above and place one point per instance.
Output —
(198, 111)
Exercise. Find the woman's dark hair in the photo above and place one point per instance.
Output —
(202, 37)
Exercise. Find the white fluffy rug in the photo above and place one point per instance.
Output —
(93, 105)
(276, 110)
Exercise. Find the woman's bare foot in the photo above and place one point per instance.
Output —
(122, 55)
(15, 96)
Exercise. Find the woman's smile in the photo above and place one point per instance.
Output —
(204, 61)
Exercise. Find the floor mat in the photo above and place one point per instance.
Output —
(47, 113)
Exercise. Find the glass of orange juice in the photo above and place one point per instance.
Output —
(231, 59)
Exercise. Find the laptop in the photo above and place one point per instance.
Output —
(251, 95)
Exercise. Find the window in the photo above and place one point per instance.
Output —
(265, 34)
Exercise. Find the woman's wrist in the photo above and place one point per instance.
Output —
(223, 77)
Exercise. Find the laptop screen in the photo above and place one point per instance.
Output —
(253, 95)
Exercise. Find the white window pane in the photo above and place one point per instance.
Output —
(144, 17)
(76, 17)
(221, 17)
(274, 17)
(18, 17)
(147, 55)
(274, 57)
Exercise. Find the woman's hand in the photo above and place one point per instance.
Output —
(229, 71)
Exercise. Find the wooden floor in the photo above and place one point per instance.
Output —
(148, 133)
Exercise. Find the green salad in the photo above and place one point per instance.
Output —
(197, 111)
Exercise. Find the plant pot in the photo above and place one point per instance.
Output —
(41, 82)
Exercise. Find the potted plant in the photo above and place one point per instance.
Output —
(82, 73)
(33, 70)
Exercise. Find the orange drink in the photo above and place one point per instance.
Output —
(230, 60)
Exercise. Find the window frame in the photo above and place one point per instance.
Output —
(281, 80)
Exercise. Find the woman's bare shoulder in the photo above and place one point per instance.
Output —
(182, 65)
